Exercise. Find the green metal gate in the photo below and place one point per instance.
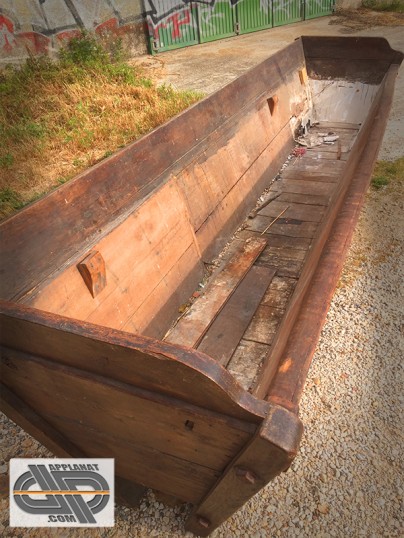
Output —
(177, 29)
(180, 23)
(318, 8)
(287, 11)
(216, 21)
(253, 15)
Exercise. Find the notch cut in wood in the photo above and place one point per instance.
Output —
(92, 269)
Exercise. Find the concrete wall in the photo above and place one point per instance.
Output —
(42, 26)
(348, 4)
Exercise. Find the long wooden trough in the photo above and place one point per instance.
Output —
(128, 332)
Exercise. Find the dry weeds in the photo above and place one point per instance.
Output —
(362, 18)
(57, 126)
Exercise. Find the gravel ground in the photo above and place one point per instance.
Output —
(346, 480)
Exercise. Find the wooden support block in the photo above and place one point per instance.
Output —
(128, 493)
(168, 500)
(270, 452)
(92, 269)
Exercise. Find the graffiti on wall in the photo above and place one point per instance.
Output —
(179, 16)
(39, 26)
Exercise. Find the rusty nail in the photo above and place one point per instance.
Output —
(203, 522)
(246, 475)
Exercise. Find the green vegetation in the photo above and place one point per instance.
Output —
(59, 117)
(387, 172)
(396, 6)
(10, 200)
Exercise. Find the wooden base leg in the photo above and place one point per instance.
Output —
(128, 493)
(268, 454)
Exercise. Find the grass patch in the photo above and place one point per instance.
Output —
(395, 6)
(57, 118)
(10, 201)
(387, 172)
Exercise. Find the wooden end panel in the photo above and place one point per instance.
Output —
(157, 440)
(140, 361)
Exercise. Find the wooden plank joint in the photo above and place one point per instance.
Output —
(92, 269)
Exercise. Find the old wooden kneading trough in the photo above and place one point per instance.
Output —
(203, 408)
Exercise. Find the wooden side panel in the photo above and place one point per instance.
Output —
(263, 383)
(99, 199)
(236, 168)
(147, 258)
(290, 378)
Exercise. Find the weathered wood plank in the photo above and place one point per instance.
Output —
(246, 361)
(191, 328)
(279, 292)
(304, 187)
(282, 266)
(309, 175)
(264, 324)
(226, 331)
(278, 241)
(310, 199)
(288, 227)
(327, 154)
(304, 212)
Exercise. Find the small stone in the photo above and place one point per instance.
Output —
(316, 381)
(323, 508)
